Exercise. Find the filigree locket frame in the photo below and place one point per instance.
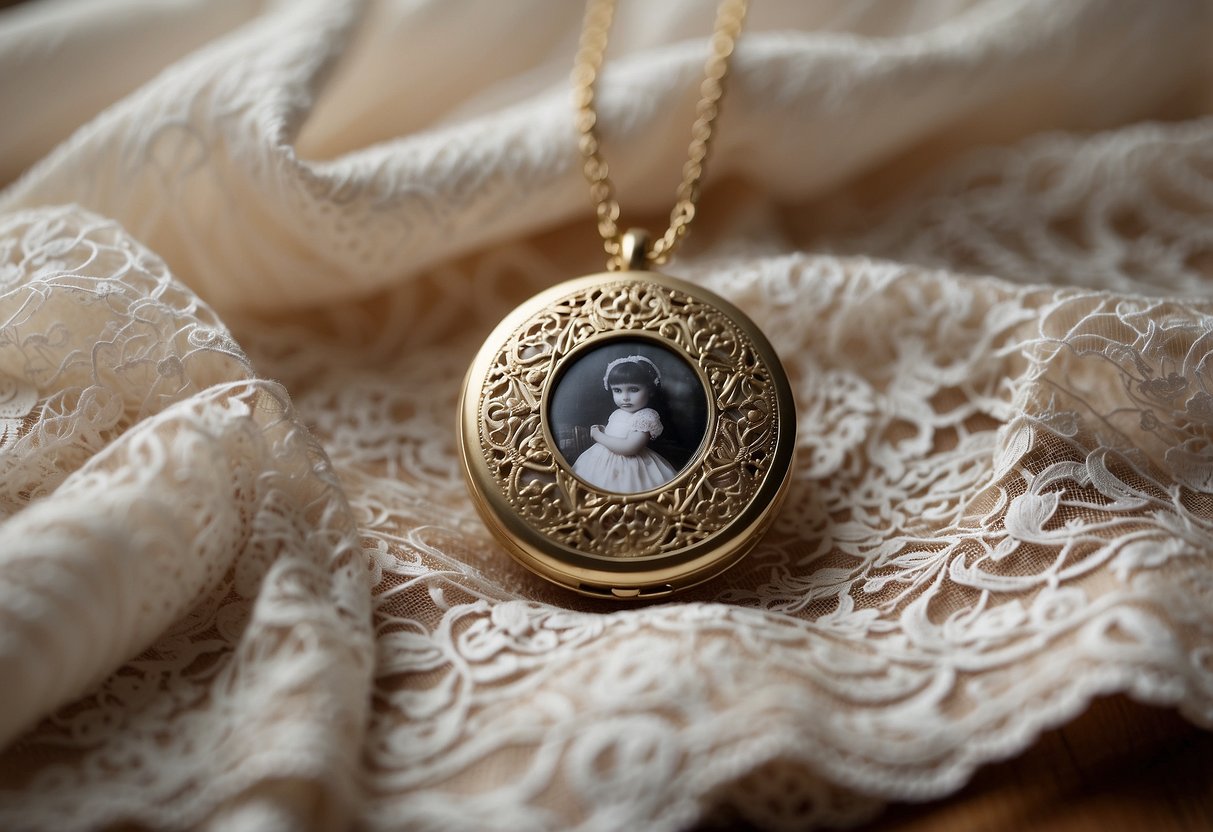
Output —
(632, 545)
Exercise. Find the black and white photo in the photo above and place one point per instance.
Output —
(628, 416)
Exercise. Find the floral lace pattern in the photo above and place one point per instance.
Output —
(225, 606)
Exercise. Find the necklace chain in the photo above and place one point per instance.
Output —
(586, 69)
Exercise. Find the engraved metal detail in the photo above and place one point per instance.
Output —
(713, 489)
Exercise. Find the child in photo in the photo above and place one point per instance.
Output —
(620, 459)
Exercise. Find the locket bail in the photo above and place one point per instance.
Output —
(634, 250)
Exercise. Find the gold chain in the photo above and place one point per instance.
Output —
(586, 69)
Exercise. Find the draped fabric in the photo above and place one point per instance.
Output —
(247, 251)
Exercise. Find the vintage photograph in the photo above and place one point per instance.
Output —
(628, 416)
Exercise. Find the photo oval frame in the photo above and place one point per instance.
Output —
(654, 541)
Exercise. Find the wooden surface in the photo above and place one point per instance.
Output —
(1119, 766)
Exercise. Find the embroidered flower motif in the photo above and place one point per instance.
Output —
(170, 366)
(1028, 514)
(17, 399)
(1163, 389)
(1192, 464)
(1200, 408)
(1055, 606)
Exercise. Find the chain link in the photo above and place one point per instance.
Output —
(586, 69)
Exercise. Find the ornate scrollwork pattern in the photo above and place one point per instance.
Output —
(714, 488)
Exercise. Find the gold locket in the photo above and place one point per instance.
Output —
(536, 387)
(629, 434)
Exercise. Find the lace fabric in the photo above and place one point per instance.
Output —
(225, 606)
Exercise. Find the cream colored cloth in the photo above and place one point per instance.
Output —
(980, 235)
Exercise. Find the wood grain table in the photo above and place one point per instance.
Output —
(1119, 766)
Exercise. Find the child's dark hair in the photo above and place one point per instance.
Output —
(633, 372)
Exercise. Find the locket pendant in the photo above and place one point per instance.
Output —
(627, 434)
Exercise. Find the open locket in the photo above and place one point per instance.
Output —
(627, 434)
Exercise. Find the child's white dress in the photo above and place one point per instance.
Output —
(605, 469)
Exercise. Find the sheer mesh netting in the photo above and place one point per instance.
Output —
(980, 236)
